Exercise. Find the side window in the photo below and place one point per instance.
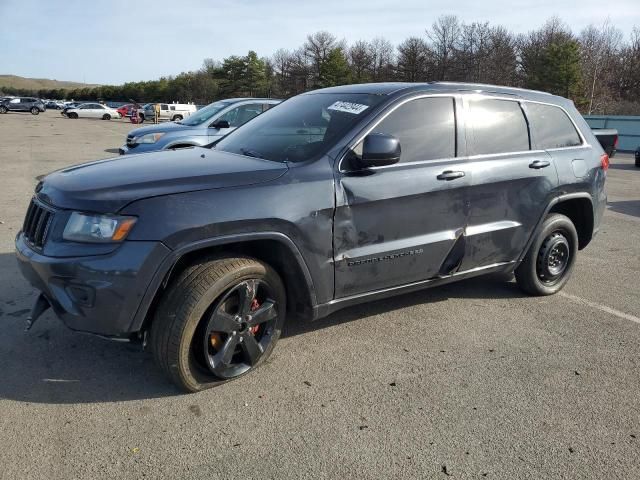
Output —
(242, 114)
(15, 100)
(551, 127)
(497, 126)
(164, 107)
(426, 128)
(267, 106)
(172, 107)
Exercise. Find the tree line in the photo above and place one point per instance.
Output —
(598, 68)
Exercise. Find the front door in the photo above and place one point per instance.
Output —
(236, 117)
(512, 182)
(403, 223)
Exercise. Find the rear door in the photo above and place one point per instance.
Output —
(512, 181)
(400, 223)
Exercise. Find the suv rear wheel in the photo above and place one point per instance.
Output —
(219, 320)
(177, 118)
(34, 111)
(549, 262)
(3, 109)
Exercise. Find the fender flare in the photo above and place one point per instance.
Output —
(166, 267)
(554, 201)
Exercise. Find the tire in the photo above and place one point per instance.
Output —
(548, 264)
(183, 335)
(72, 115)
(106, 116)
(3, 109)
(177, 118)
(35, 111)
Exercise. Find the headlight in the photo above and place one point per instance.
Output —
(148, 138)
(97, 228)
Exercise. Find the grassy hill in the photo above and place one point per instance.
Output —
(38, 83)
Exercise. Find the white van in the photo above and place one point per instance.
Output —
(173, 112)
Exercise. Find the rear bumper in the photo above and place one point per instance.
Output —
(95, 294)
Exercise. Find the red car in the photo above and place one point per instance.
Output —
(125, 110)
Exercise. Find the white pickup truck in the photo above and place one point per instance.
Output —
(168, 111)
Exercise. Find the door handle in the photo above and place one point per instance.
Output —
(537, 164)
(449, 175)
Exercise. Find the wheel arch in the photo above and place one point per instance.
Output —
(579, 209)
(275, 249)
(574, 206)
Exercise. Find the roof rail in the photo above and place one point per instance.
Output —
(464, 85)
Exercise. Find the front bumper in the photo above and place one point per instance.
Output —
(96, 294)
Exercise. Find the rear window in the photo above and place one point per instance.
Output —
(497, 126)
(551, 127)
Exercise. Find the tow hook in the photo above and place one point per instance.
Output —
(41, 305)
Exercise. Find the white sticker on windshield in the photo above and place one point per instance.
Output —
(348, 107)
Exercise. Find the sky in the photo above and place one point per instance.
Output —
(115, 41)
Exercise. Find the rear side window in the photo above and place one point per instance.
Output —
(551, 127)
(497, 126)
(426, 128)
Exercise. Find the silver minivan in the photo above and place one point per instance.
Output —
(201, 128)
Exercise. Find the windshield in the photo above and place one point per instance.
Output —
(301, 128)
(205, 113)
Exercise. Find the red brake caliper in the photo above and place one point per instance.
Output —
(254, 306)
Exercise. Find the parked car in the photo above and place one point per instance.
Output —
(203, 127)
(337, 196)
(608, 138)
(173, 112)
(22, 104)
(93, 110)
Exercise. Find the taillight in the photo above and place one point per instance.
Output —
(604, 161)
(615, 142)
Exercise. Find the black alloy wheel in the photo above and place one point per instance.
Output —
(240, 328)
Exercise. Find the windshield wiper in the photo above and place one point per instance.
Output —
(251, 153)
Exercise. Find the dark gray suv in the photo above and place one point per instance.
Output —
(332, 198)
(22, 104)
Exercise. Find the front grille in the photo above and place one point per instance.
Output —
(36, 224)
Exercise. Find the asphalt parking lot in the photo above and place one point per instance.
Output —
(470, 380)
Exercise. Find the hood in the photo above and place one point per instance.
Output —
(162, 127)
(106, 186)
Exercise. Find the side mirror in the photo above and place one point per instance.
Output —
(220, 124)
(379, 149)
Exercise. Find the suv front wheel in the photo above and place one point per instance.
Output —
(219, 320)
(35, 111)
(549, 262)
